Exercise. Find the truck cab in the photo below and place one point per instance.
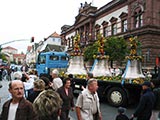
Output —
(46, 61)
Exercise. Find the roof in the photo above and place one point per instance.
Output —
(9, 47)
(57, 48)
(55, 35)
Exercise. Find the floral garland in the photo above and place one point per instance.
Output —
(100, 57)
(133, 49)
(101, 52)
(76, 51)
(134, 57)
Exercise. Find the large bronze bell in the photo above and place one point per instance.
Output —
(76, 66)
(100, 68)
(133, 70)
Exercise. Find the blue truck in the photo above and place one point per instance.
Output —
(46, 61)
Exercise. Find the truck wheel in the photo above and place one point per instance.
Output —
(117, 97)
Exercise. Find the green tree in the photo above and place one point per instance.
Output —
(3, 57)
(89, 51)
(116, 48)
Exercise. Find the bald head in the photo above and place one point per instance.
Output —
(16, 88)
(15, 82)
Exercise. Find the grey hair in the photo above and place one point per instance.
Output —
(90, 81)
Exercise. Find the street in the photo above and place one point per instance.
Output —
(108, 112)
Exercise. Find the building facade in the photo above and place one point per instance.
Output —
(51, 43)
(19, 58)
(124, 18)
(9, 50)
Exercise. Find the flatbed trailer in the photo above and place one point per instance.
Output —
(113, 92)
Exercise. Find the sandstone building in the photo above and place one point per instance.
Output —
(125, 18)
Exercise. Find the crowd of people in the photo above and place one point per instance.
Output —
(34, 98)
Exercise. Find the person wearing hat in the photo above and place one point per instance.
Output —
(146, 103)
(57, 82)
(121, 114)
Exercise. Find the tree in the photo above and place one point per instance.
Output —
(116, 48)
(90, 51)
(3, 57)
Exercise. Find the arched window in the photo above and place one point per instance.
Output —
(138, 20)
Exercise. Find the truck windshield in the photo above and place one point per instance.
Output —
(42, 59)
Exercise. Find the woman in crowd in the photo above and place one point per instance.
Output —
(47, 105)
(39, 86)
(66, 95)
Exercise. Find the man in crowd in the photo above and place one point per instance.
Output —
(88, 106)
(146, 104)
(57, 82)
(17, 108)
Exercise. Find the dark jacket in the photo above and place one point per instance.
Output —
(67, 100)
(145, 106)
(24, 111)
(33, 95)
(122, 117)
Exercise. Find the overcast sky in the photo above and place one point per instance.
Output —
(22, 19)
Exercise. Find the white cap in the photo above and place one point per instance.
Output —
(55, 71)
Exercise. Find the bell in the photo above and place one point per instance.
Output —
(76, 66)
(133, 70)
(100, 68)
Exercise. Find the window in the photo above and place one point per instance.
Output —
(42, 59)
(113, 21)
(123, 17)
(97, 30)
(53, 39)
(105, 31)
(138, 19)
(114, 29)
(124, 26)
(64, 58)
(53, 57)
(105, 28)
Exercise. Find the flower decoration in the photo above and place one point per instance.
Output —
(77, 50)
(133, 49)
(133, 45)
(101, 52)
(100, 56)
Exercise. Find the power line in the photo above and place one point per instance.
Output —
(14, 41)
